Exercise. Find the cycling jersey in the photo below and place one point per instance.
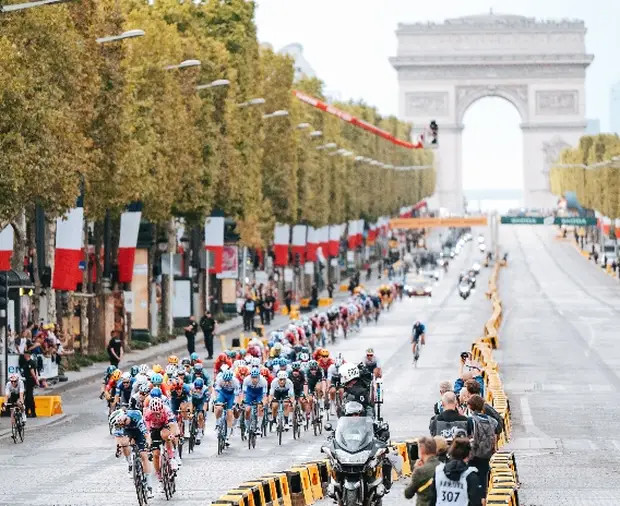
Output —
(254, 392)
(299, 380)
(314, 377)
(158, 419)
(11, 389)
(417, 331)
(178, 395)
(136, 429)
(333, 375)
(227, 391)
(324, 363)
(371, 364)
(199, 396)
(280, 393)
(124, 393)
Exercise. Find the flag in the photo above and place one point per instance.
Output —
(299, 242)
(359, 237)
(324, 240)
(214, 242)
(130, 225)
(69, 252)
(6, 248)
(334, 240)
(312, 244)
(281, 238)
(352, 234)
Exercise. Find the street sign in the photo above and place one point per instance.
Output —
(548, 220)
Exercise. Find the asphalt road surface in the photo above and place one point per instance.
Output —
(560, 362)
(73, 463)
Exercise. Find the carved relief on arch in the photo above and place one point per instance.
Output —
(515, 94)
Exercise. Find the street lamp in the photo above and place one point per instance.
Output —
(276, 114)
(184, 64)
(329, 145)
(316, 134)
(130, 34)
(251, 102)
(214, 84)
(30, 5)
(303, 126)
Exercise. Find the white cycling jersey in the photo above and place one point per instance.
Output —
(10, 389)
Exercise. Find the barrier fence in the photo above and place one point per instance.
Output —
(503, 480)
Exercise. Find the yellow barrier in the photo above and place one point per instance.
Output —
(283, 491)
(46, 405)
(304, 481)
(246, 496)
(402, 451)
(304, 303)
(325, 301)
(231, 499)
(315, 480)
(256, 488)
(344, 287)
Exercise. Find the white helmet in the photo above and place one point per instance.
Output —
(115, 417)
(171, 370)
(224, 368)
(126, 376)
(255, 362)
(282, 375)
(143, 368)
(349, 372)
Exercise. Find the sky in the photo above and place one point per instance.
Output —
(348, 43)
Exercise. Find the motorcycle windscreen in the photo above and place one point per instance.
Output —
(353, 433)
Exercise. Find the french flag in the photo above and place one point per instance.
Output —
(334, 240)
(69, 252)
(214, 242)
(352, 234)
(299, 242)
(6, 248)
(281, 237)
(359, 238)
(324, 240)
(130, 225)
(312, 244)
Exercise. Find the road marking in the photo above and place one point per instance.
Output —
(526, 413)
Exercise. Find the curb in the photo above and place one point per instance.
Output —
(53, 420)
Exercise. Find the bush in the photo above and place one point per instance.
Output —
(76, 361)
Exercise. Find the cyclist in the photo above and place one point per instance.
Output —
(282, 390)
(418, 335)
(300, 386)
(228, 392)
(371, 362)
(110, 388)
(130, 426)
(138, 398)
(14, 391)
(123, 391)
(106, 379)
(200, 393)
(159, 419)
(198, 372)
(316, 382)
(134, 373)
(180, 401)
(254, 389)
(334, 381)
(158, 381)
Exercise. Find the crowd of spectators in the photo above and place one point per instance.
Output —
(464, 430)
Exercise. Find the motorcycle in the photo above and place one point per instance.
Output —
(357, 461)
(464, 291)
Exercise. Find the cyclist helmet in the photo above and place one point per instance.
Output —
(186, 361)
(264, 372)
(231, 353)
(199, 383)
(313, 364)
(296, 366)
(282, 375)
(243, 371)
(157, 379)
(283, 362)
(156, 392)
(126, 377)
(222, 357)
(255, 373)
(145, 388)
(324, 353)
(198, 367)
(186, 388)
(255, 362)
(242, 352)
(134, 370)
(227, 376)
(116, 416)
(194, 356)
(173, 359)
(171, 370)
(304, 357)
(158, 369)
(181, 372)
(143, 369)
(156, 404)
(110, 369)
(13, 377)
(116, 375)
(349, 372)
(370, 352)
(224, 368)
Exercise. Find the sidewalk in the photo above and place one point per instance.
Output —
(586, 252)
(177, 346)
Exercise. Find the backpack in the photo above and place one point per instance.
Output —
(483, 442)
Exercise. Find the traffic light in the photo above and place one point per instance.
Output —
(434, 132)
(4, 299)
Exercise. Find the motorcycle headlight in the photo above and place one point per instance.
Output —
(353, 458)
(428, 289)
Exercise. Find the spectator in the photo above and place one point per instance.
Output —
(208, 326)
(423, 472)
(456, 475)
(442, 449)
(268, 306)
(484, 440)
(248, 310)
(260, 303)
(314, 297)
(29, 370)
(190, 334)
(458, 384)
(288, 299)
(473, 388)
(450, 422)
(330, 290)
(444, 387)
(115, 348)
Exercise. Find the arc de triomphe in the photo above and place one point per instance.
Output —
(539, 66)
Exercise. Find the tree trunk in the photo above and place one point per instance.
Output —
(19, 242)
(167, 280)
(83, 301)
(50, 295)
(98, 307)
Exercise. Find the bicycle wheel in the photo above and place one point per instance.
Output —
(21, 429)
(14, 431)
(138, 481)
(280, 430)
(221, 436)
(242, 426)
(192, 435)
(166, 472)
(295, 423)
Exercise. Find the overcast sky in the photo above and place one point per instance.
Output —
(348, 43)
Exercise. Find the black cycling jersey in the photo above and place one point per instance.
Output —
(314, 377)
(299, 380)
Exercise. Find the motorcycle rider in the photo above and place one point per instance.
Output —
(357, 381)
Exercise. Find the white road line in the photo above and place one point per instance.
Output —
(526, 413)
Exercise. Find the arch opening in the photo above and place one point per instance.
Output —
(492, 154)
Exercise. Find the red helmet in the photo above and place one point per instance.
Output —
(254, 351)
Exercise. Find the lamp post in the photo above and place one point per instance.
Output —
(252, 102)
(184, 65)
(276, 114)
(214, 84)
(130, 34)
(30, 5)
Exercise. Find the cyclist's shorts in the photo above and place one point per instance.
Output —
(138, 437)
(416, 338)
(252, 397)
(280, 395)
(175, 404)
(226, 398)
(156, 437)
(335, 382)
(299, 393)
(312, 385)
(13, 399)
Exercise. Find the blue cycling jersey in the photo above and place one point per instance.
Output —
(136, 423)
(124, 392)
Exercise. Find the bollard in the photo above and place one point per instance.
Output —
(282, 489)
(402, 450)
(256, 488)
(315, 480)
(301, 493)
(246, 496)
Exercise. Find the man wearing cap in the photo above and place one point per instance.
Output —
(29, 370)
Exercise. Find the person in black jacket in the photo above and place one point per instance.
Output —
(472, 387)
(445, 423)
(456, 470)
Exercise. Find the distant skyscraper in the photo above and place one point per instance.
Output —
(593, 127)
(302, 67)
(614, 110)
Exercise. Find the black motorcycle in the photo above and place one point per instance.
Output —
(357, 460)
(464, 290)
